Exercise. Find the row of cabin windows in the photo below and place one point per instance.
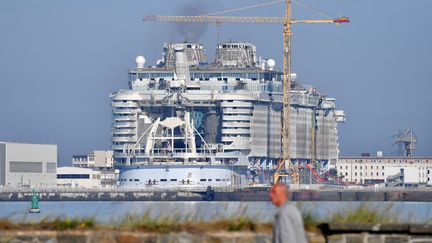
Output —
(183, 181)
(205, 76)
(389, 161)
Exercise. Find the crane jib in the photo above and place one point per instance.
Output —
(235, 19)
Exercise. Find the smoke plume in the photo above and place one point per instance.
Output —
(191, 31)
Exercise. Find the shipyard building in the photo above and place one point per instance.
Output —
(185, 110)
(97, 161)
(28, 165)
(76, 177)
(392, 171)
(94, 159)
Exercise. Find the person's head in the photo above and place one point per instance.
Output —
(279, 194)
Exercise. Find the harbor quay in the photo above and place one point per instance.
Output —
(246, 194)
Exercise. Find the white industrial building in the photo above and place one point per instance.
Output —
(76, 177)
(97, 158)
(28, 165)
(429, 176)
(375, 170)
(406, 176)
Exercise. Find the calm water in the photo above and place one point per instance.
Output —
(106, 212)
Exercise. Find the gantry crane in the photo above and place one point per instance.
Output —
(284, 167)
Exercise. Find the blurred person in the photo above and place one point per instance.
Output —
(288, 223)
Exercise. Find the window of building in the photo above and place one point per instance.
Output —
(355, 174)
(163, 179)
(73, 176)
(136, 179)
(209, 179)
(203, 179)
(173, 180)
(218, 179)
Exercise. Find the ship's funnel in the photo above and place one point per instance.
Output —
(181, 67)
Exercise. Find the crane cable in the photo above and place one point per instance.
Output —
(243, 8)
(311, 9)
(314, 10)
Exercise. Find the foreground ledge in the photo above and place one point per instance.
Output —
(332, 233)
(377, 233)
(101, 236)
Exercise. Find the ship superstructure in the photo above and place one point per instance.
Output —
(226, 116)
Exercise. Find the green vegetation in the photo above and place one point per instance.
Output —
(67, 223)
(175, 222)
(310, 221)
(146, 223)
(191, 223)
(365, 215)
(54, 224)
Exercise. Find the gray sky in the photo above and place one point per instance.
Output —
(60, 59)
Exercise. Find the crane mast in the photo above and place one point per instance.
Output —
(286, 112)
(285, 167)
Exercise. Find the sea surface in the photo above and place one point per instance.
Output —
(114, 211)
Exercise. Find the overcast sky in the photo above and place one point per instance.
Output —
(60, 59)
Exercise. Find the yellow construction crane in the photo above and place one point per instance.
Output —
(236, 19)
(284, 167)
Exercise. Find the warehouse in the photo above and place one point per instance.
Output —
(28, 165)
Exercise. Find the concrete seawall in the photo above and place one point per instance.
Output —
(329, 233)
(259, 195)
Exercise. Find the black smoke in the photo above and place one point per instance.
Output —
(191, 31)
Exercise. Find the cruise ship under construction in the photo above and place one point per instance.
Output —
(187, 122)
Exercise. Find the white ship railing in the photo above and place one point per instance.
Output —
(113, 190)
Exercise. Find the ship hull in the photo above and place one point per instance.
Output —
(188, 177)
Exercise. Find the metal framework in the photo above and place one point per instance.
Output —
(406, 142)
(237, 19)
(285, 167)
